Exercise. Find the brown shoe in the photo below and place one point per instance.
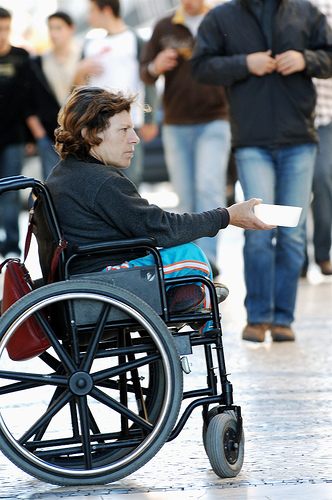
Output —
(325, 267)
(255, 332)
(281, 333)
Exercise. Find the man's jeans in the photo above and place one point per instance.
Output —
(322, 190)
(197, 159)
(11, 160)
(273, 259)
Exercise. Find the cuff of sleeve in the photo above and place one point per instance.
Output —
(224, 214)
(152, 71)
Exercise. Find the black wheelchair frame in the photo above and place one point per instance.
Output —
(105, 397)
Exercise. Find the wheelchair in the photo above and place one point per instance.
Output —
(108, 393)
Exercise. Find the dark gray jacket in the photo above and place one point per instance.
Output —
(269, 110)
(97, 203)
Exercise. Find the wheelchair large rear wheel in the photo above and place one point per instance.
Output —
(88, 412)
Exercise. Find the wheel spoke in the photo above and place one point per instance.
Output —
(85, 430)
(37, 379)
(121, 409)
(56, 344)
(47, 416)
(123, 368)
(95, 339)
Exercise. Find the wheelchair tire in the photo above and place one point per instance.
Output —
(92, 414)
(211, 413)
(225, 458)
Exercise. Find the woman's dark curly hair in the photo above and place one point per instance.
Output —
(88, 108)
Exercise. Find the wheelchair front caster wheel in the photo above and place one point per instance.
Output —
(225, 452)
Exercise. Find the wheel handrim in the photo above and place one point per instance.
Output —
(56, 469)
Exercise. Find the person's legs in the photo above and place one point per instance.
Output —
(322, 191)
(11, 159)
(271, 271)
(212, 150)
(256, 171)
(294, 180)
(178, 141)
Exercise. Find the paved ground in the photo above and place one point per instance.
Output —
(285, 394)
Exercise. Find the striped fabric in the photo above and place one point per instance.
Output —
(182, 260)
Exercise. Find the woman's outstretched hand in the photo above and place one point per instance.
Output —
(242, 215)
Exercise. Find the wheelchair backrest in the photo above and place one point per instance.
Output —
(50, 240)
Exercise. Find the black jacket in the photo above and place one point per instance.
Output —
(97, 203)
(269, 110)
(16, 103)
(45, 102)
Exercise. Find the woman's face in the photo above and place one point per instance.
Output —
(118, 141)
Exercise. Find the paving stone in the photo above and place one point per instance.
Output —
(285, 394)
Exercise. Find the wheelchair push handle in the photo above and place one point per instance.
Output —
(17, 182)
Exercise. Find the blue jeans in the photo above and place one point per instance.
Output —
(322, 191)
(11, 160)
(197, 159)
(273, 259)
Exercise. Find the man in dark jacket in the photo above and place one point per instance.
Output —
(15, 111)
(265, 53)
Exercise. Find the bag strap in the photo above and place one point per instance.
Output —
(62, 244)
(55, 261)
(28, 238)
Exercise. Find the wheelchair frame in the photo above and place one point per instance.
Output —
(124, 367)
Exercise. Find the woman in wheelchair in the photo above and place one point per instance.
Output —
(96, 202)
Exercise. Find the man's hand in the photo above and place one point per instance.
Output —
(261, 63)
(242, 215)
(290, 62)
(166, 60)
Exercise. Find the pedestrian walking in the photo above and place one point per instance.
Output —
(266, 54)
(54, 73)
(113, 62)
(195, 128)
(15, 112)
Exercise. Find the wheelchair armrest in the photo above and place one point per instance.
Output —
(115, 246)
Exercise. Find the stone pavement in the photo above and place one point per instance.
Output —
(284, 391)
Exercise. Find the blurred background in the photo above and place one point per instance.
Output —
(30, 30)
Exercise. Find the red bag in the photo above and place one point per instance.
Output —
(29, 339)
